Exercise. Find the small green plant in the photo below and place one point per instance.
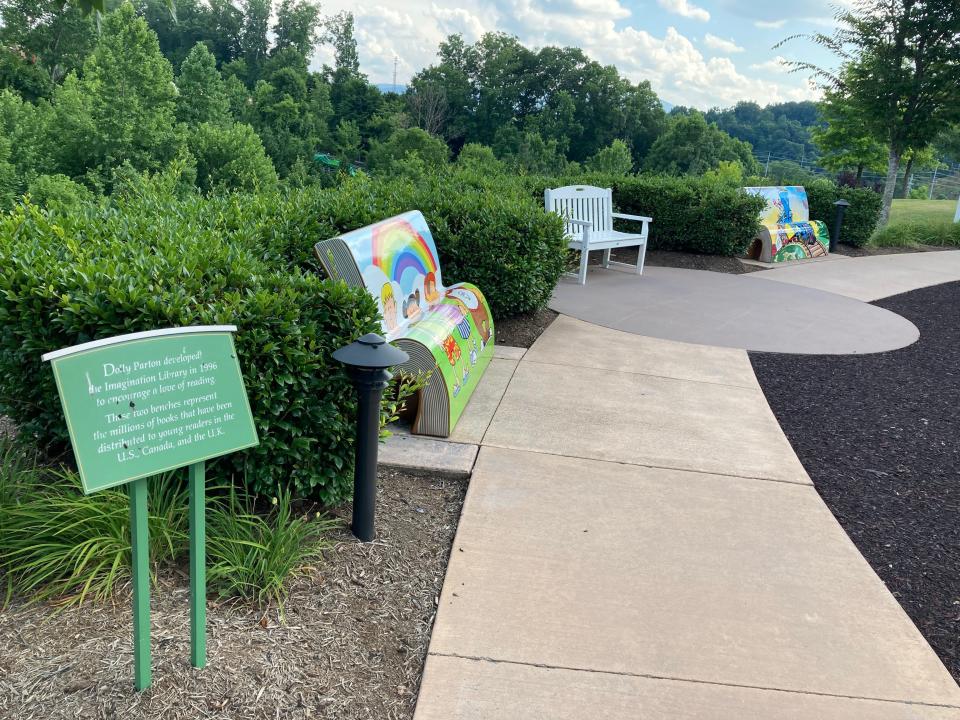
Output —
(254, 556)
(403, 387)
(59, 544)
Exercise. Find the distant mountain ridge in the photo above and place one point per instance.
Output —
(390, 87)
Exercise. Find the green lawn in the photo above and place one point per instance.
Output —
(922, 211)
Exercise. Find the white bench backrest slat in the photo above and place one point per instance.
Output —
(582, 202)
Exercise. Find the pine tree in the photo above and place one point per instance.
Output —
(202, 95)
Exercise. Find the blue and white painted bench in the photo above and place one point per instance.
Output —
(787, 232)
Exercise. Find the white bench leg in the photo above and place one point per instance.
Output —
(584, 261)
(641, 258)
(606, 258)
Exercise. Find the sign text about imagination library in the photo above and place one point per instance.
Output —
(141, 407)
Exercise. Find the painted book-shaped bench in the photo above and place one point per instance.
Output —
(447, 331)
(787, 232)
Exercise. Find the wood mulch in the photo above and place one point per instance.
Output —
(879, 435)
(351, 644)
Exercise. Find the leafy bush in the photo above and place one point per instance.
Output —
(615, 159)
(501, 240)
(230, 157)
(254, 556)
(431, 151)
(944, 234)
(152, 261)
(58, 543)
(58, 192)
(921, 192)
(861, 217)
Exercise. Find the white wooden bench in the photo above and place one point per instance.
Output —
(588, 212)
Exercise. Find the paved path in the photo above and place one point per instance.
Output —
(871, 278)
(740, 311)
(640, 541)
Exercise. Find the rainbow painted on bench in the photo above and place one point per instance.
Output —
(447, 332)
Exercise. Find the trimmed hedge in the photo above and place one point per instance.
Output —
(157, 262)
(689, 214)
(861, 217)
(502, 241)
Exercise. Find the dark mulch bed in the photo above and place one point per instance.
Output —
(351, 645)
(523, 330)
(880, 436)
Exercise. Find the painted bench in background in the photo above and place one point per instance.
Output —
(588, 212)
(787, 232)
(447, 331)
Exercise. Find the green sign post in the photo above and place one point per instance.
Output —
(142, 404)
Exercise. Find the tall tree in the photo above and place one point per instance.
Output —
(129, 86)
(297, 26)
(844, 140)
(339, 34)
(899, 61)
(46, 33)
(691, 146)
(254, 42)
(201, 97)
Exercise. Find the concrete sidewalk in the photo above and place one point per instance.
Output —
(871, 278)
(640, 541)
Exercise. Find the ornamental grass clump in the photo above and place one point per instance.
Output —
(254, 555)
(61, 545)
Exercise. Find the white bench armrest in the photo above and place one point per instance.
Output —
(581, 223)
(638, 218)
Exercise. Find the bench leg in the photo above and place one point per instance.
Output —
(641, 258)
(606, 258)
(584, 261)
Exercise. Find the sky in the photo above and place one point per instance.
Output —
(701, 53)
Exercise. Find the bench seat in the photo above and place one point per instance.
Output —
(588, 216)
(447, 331)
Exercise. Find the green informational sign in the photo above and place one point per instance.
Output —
(139, 405)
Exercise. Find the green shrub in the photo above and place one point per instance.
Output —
(58, 543)
(499, 239)
(254, 556)
(921, 192)
(388, 157)
(58, 192)
(918, 233)
(861, 217)
(230, 158)
(152, 261)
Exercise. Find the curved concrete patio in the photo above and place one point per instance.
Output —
(870, 278)
(738, 311)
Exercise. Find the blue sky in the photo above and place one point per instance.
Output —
(701, 53)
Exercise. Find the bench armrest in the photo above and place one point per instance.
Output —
(638, 218)
(581, 223)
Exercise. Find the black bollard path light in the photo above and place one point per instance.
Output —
(841, 206)
(367, 361)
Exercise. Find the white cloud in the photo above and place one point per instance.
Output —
(773, 65)
(769, 24)
(685, 8)
(678, 71)
(718, 43)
